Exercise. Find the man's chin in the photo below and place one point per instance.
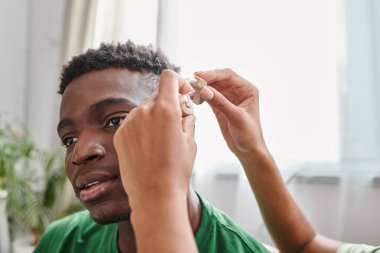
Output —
(107, 217)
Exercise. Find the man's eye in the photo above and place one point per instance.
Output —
(115, 122)
(67, 142)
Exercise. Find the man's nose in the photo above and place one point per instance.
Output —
(86, 150)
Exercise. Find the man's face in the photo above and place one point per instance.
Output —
(93, 106)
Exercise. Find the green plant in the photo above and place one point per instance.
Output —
(33, 179)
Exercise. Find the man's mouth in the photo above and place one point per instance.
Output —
(94, 190)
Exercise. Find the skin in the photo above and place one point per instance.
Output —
(235, 102)
(93, 107)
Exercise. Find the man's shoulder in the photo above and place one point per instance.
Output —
(218, 233)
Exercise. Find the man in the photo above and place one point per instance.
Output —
(99, 89)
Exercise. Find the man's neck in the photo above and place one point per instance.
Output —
(126, 237)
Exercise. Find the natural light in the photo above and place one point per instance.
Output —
(292, 50)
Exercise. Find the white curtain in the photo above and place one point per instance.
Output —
(78, 35)
(120, 20)
(79, 27)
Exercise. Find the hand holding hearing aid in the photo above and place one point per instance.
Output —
(235, 102)
(156, 141)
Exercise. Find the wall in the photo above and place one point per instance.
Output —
(14, 32)
(30, 61)
(45, 41)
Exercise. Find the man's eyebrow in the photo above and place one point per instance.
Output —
(96, 108)
(109, 101)
(63, 123)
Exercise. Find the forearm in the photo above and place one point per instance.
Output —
(285, 221)
(162, 224)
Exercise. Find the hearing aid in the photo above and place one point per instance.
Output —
(197, 83)
(187, 100)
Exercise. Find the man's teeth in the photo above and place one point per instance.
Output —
(91, 184)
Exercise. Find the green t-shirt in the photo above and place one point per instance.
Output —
(79, 233)
(358, 248)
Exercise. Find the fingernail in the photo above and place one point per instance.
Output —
(206, 93)
(199, 84)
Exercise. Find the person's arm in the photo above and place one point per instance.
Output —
(235, 102)
(156, 152)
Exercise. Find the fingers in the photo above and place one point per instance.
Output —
(170, 85)
(217, 101)
(224, 76)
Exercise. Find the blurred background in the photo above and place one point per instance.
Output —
(316, 64)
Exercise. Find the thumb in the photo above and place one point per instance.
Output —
(219, 102)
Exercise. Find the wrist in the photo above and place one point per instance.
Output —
(256, 154)
(150, 199)
(159, 210)
(258, 162)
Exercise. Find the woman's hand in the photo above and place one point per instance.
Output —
(235, 102)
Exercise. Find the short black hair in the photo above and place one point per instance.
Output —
(128, 55)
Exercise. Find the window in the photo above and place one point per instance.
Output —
(292, 50)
